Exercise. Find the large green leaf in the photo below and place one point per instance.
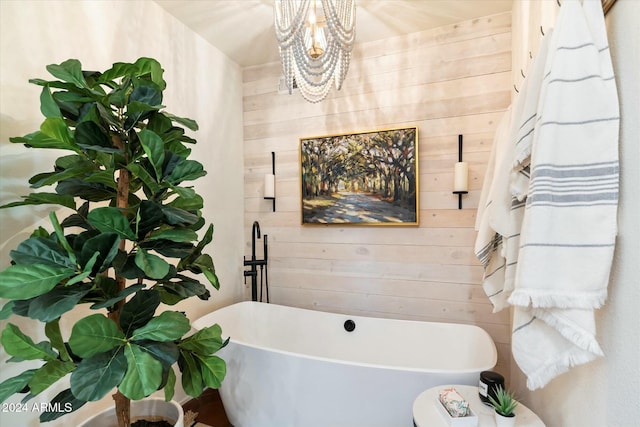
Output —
(168, 248)
(90, 136)
(166, 352)
(55, 128)
(205, 263)
(14, 385)
(44, 199)
(154, 149)
(78, 219)
(28, 281)
(62, 404)
(193, 203)
(185, 262)
(213, 369)
(187, 170)
(88, 113)
(38, 250)
(48, 106)
(170, 386)
(142, 174)
(205, 342)
(95, 334)
(192, 382)
(152, 265)
(104, 177)
(48, 374)
(106, 244)
(152, 68)
(176, 216)
(182, 288)
(184, 192)
(96, 376)
(55, 303)
(174, 234)
(151, 216)
(144, 373)
(168, 326)
(159, 123)
(91, 191)
(139, 310)
(69, 71)
(186, 122)
(40, 139)
(52, 331)
(125, 266)
(7, 310)
(146, 93)
(117, 70)
(142, 67)
(22, 347)
(111, 220)
(70, 97)
(61, 237)
(44, 179)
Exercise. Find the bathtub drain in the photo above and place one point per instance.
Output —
(349, 325)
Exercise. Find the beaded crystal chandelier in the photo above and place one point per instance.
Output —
(315, 39)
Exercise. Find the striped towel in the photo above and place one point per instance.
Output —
(569, 226)
(500, 216)
(488, 246)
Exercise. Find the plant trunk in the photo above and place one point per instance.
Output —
(123, 403)
(123, 409)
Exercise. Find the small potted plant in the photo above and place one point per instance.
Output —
(504, 403)
(129, 248)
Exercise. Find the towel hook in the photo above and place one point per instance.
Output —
(541, 30)
(516, 89)
(558, 1)
(522, 73)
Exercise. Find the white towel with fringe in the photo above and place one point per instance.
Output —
(488, 245)
(500, 216)
(569, 226)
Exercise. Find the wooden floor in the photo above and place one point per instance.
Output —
(209, 408)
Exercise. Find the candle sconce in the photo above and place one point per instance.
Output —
(270, 182)
(460, 175)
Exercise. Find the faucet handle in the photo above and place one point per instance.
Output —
(244, 262)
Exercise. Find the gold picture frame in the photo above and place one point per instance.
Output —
(365, 178)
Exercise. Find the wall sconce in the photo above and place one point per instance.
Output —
(270, 182)
(460, 175)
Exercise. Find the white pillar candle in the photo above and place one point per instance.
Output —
(269, 185)
(460, 176)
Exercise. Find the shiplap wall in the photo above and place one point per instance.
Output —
(448, 81)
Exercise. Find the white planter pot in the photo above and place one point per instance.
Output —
(171, 410)
(502, 421)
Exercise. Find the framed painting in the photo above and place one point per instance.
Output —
(366, 178)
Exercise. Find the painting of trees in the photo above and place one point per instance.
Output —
(367, 178)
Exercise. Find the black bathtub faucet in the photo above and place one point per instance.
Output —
(253, 263)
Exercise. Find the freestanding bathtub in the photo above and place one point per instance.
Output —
(291, 367)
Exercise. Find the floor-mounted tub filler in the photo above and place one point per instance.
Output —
(291, 367)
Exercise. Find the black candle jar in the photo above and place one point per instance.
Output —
(489, 382)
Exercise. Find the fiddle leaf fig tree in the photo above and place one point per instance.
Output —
(129, 246)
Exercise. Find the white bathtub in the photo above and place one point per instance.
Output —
(290, 367)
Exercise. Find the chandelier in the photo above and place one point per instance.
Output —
(315, 39)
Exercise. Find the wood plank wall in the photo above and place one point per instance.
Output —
(447, 81)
